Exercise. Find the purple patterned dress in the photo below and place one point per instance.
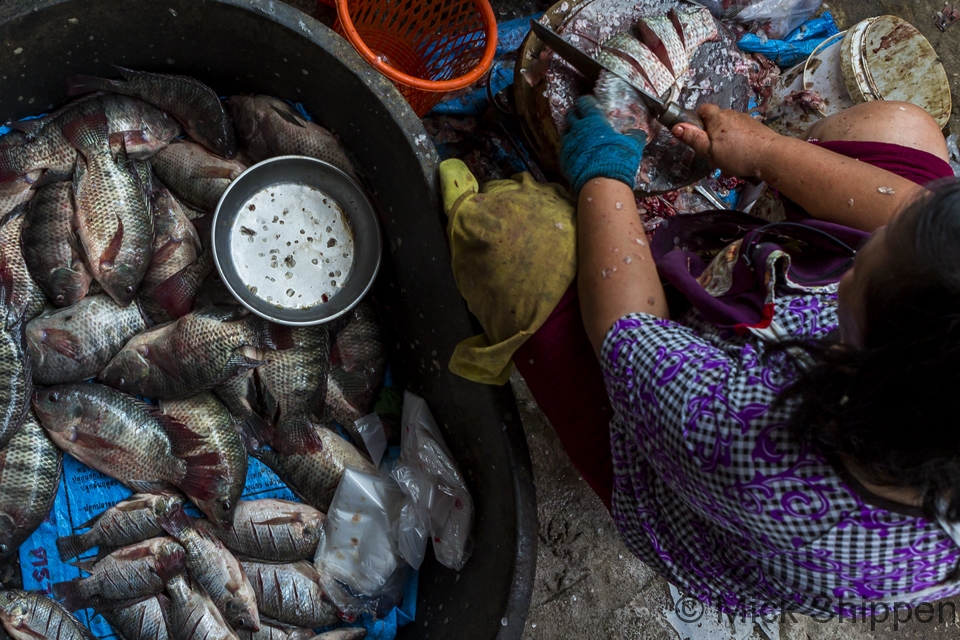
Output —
(713, 493)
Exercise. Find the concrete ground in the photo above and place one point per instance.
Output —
(588, 585)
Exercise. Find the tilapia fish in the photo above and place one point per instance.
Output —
(193, 103)
(145, 620)
(176, 245)
(23, 298)
(358, 361)
(194, 174)
(314, 476)
(217, 571)
(290, 593)
(269, 127)
(297, 379)
(192, 614)
(124, 574)
(195, 353)
(133, 125)
(17, 191)
(128, 522)
(114, 223)
(273, 530)
(76, 343)
(15, 382)
(122, 437)
(30, 616)
(206, 416)
(30, 467)
(273, 630)
(49, 244)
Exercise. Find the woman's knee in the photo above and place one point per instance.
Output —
(888, 121)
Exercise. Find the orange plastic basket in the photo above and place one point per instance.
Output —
(426, 47)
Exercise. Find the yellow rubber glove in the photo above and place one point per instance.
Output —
(513, 250)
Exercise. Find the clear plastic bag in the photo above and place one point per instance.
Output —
(777, 17)
(371, 432)
(438, 504)
(954, 154)
(358, 554)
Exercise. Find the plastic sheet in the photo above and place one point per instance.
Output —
(437, 497)
(797, 46)
(773, 18)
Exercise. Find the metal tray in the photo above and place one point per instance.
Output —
(296, 241)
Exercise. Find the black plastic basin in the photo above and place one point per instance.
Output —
(263, 46)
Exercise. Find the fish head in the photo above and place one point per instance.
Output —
(121, 281)
(241, 613)
(8, 529)
(165, 502)
(14, 608)
(217, 136)
(220, 509)
(128, 370)
(57, 409)
(68, 286)
(312, 525)
(160, 126)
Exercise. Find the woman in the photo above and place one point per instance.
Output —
(806, 461)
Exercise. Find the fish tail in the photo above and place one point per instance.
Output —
(70, 595)
(174, 521)
(80, 84)
(296, 435)
(274, 336)
(89, 131)
(72, 546)
(203, 475)
(255, 433)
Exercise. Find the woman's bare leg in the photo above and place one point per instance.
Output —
(888, 121)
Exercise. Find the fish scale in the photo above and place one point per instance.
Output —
(26, 299)
(268, 127)
(30, 467)
(111, 432)
(145, 620)
(661, 37)
(112, 211)
(47, 239)
(639, 55)
(297, 379)
(182, 358)
(271, 529)
(15, 383)
(76, 343)
(696, 27)
(209, 419)
(193, 616)
(290, 593)
(193, 103)
(28, 616)
(195, 175)
(128, 522)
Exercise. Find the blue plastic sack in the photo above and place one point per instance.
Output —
(797, 45)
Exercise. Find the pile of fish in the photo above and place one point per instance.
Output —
(106, 272)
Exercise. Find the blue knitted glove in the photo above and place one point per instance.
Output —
(591, 148)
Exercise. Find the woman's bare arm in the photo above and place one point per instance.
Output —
(616, 274)
(827, 185)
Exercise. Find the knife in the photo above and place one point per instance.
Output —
(669, 114)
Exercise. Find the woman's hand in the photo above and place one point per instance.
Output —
(591, 148)
(732, 141)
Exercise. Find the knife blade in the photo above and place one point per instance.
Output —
(668, 114)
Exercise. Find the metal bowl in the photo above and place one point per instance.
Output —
(296, 240)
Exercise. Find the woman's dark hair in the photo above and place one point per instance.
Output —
(893, 406)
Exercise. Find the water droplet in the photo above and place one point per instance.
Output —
(315, 261)
(291, 293)
(288, 275)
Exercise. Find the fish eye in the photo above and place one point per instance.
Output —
(60, 297)
(121, 382)
(226, 505)
(241, 621)
(54, 396)
(4, 548)
(128, 288)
